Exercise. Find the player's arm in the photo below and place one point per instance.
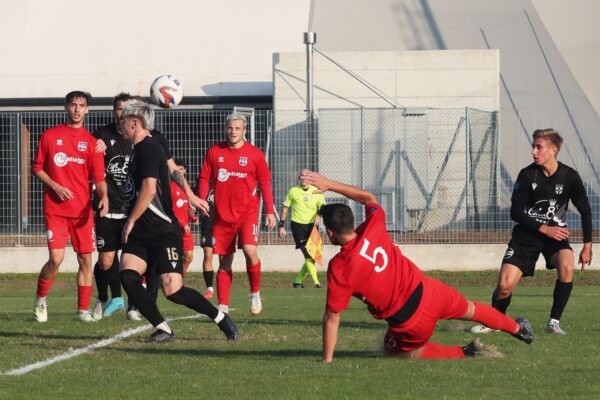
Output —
(331, 323)
(282, 216)
(581, 202)
(102, 192)
(324, 184)
(147, 193)
(194, 201)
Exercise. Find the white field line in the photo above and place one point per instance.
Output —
(77, 352)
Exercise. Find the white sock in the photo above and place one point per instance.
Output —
(163, 326)
(210, 288)
(553, 321)
(219, 317)
(255, 294)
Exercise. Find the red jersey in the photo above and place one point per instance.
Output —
(371, 268)
(180, 204)
(235, 174)
(68, 156)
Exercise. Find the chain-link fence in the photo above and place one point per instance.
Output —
(435, 171)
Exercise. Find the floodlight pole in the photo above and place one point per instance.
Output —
(310, 38)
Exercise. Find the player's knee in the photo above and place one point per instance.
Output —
(502, 291)
(130, 278)
(178, 297)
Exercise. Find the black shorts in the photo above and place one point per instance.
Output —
(108, 233)
(206, 231)
(524, 250)
(301, 233)
(164, 252)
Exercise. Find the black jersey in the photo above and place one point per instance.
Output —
(543, 200)
(116, 159)
(163, 142)
(148, 160)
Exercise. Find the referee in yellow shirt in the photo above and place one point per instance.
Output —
(305, 205)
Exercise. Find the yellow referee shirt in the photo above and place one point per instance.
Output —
(303, 203)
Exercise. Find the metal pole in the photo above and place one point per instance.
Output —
(310, 38)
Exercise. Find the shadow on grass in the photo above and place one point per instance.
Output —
(316, 323)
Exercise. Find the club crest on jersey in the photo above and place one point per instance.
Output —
(558, 188)
(82, 146)
(533, 185)
(305, 198)
(243, 161)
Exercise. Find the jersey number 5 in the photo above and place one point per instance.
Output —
(373, 258)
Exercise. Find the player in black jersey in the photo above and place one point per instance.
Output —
(207, 242)
(152, 237)
(539, 207)
(108, 228)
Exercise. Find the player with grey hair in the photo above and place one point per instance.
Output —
(141, 110)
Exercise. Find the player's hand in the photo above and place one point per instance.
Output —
(270, 221)
(103, 206)
(555, 232)
(126, 231)
(186, 229)
(197, 203)
(585, 257)
(62, 192)
(281, 231)
(100, 146)
(193, 216)
(319, 181)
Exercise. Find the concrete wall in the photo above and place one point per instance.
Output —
(439, 79)
(466, 257)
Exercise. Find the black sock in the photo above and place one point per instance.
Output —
(114, 281)
(152, 284)
(140, 297)
(562, 292)
(101, 282)
(194, 300)
(208, 278)
(501, 304)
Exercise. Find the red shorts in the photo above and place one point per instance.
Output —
(224, 235)
(439, 301)
(81, 230)
(188, 241)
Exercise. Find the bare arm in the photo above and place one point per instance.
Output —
(324, 184)
(102, 191)
(282, 216)
(194, 201)
(147, 193)
(331, 322)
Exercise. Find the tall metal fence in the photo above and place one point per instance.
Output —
(435, 171)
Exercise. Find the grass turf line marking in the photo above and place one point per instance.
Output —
(77, 352)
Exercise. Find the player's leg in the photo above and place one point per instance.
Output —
(248, 240)
(188, 251)
(57, 231)
(224, 246)
(564, 262)
(169, 267)
(82, 238)
(311, 267)
(106, 269)
(117, 302)
(301, 233)
(207, 271)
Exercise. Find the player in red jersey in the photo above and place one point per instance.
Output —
(372, 268)
(181, 210)
(65, 162)
(235, 167)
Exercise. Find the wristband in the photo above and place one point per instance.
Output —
(281, 223)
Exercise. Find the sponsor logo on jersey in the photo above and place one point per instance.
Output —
(509, 253)
(59, 142)
(61, 159)
(533, 185)
(223, 175)
(82, 146)
(558, 188)
(180, 202)
(243, 161)
(220, 159)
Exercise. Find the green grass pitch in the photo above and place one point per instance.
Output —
(278, 356)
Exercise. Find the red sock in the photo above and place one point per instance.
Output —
(43, 287)
(224, 279)
(253, 272)
(433, 351)
(492, 318)
(144, 282)
(84, 296)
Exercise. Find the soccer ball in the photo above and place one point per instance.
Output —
(166, 91)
